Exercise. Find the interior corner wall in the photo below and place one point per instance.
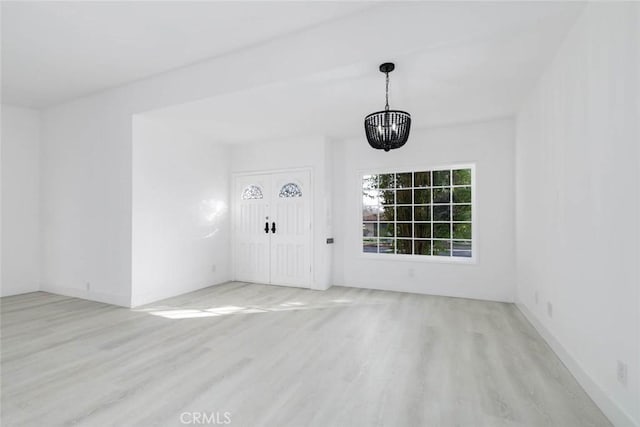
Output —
(338, 173)
(86, 200)
(180, 205)
(490, 146)
(20, 155)
(578, 204)
(303, 152)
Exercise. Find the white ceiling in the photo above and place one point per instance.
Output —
(56, 51)
(456, 61)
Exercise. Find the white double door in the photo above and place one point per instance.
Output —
(272, 228)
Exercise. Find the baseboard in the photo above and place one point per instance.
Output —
(149, 298)
(609, 407)
(414, 290)
(107, 298)
(11, 293)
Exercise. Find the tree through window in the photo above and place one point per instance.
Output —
(425, 213)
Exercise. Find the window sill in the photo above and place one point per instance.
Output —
(419, 259)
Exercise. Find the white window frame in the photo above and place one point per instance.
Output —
(473, 259)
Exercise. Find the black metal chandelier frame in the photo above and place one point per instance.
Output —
(387, 129)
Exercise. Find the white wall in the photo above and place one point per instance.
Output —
(86, 200)
(180, 228)
(578, 206)
(490, 145)
(311, 152)
(20, 200)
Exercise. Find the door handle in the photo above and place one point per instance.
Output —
(266, 227)
(273, 227)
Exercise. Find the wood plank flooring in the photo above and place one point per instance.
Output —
(277, 356)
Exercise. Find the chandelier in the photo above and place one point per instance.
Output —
(387, 129)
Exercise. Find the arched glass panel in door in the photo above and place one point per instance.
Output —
(252, 192)
(290, 190)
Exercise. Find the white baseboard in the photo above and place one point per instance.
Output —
(610, 408)
(148, 298)
(107, 298)
(412, 289)
(13, 292)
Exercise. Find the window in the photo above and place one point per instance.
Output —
(419, 213)
(290, 190)
(252, 192)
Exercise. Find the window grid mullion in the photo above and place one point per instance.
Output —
(413, 204)
(450, 212)
(431, 207)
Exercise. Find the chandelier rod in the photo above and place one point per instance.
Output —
(386, 106)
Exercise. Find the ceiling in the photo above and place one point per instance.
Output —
(456, 61)
(53, 52)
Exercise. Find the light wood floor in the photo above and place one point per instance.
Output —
(283, 357)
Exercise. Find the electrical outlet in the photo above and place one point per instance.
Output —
(535, 296)
(622, 373)
(213, 268)
(549, 309)
(412, 272)
(87, 286)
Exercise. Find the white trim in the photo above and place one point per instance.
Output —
(151, 297)
(271, 171)
(424, 289)
(609, 407)
(418, 258)
(106, 298)
(423, 258)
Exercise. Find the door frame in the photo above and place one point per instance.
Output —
(233, 208)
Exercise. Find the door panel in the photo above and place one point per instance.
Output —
(291, 244)
(252, 249)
